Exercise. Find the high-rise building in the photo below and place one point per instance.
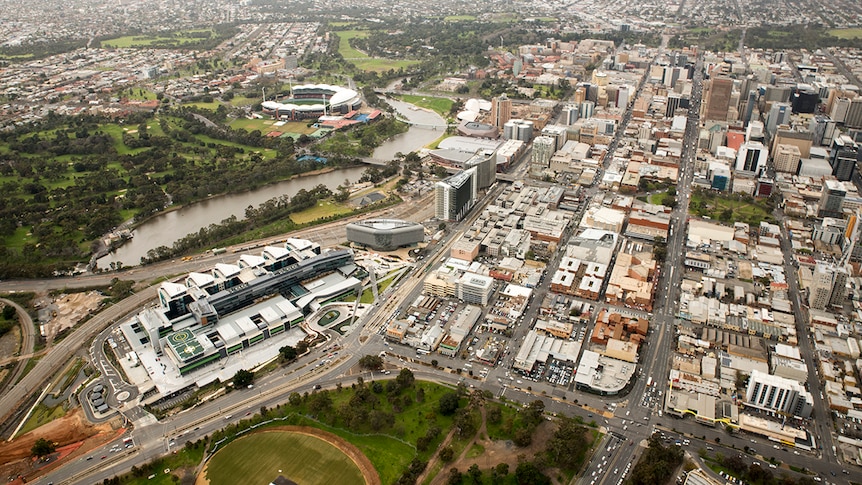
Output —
(843, 157)
(787, 159)
(718, 99)
(570, 114)
(751, 157)
(822, 129)
(774, 393)
(543, 150)
(454, 196)
(779, 115)
(839, 110)
(854, 113)
(805, 100)
(558, 133)
(820, 291)
(840, 292)
(501, 110)
(587, 109)
(486, 168)
(832, 198)
(749, 107)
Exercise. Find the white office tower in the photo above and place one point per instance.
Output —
(751, 157)
(623, 97)
(773, 393)
(754, 130)
(543, 150)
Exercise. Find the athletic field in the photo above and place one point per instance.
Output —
(261, 457)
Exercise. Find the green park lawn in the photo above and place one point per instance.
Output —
(266, 125)
(460, 18)
(440, 105)
(178, 40)
(324, 208)
(846, 33)
(261, 457)
(728, 208)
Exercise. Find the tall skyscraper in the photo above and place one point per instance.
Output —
(843, 157)
(831, 199)
(454, 196)
(779, 115)
(718, 99)
(854, 113)
(749, 107)
(501, 110)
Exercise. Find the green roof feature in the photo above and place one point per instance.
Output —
(185, 345)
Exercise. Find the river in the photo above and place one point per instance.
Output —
(165, 229)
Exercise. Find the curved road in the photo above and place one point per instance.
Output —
(28, 333)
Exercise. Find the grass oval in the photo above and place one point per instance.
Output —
(305, 459)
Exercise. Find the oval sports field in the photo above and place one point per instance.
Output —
(305, 455)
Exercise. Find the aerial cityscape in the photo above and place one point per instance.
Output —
(600, 243)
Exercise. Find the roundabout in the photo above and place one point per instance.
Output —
(302, 454)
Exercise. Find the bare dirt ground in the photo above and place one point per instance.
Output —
(362, 462)
(73, 434)
(70, 310)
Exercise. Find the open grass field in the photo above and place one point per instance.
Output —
(212, 105)
(324, 208)
(265, 126)
(459, 18)
(177, 39)
(261, 457)
(846, 33)
(360, 59)
(440, 105)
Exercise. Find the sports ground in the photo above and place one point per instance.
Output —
(302, 454)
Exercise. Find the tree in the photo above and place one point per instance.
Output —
(243, 378)
(447, 454)
(288, 353)
(502, 469)
(448, 403)
(405, 378)
(455, 477)
(9, 312)
(434, 363)
(475, 474)
(528, 473)
(42, 447)
(295, 399)
(301, 347)
(371, 362)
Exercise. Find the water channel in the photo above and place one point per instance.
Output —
(165, 229)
